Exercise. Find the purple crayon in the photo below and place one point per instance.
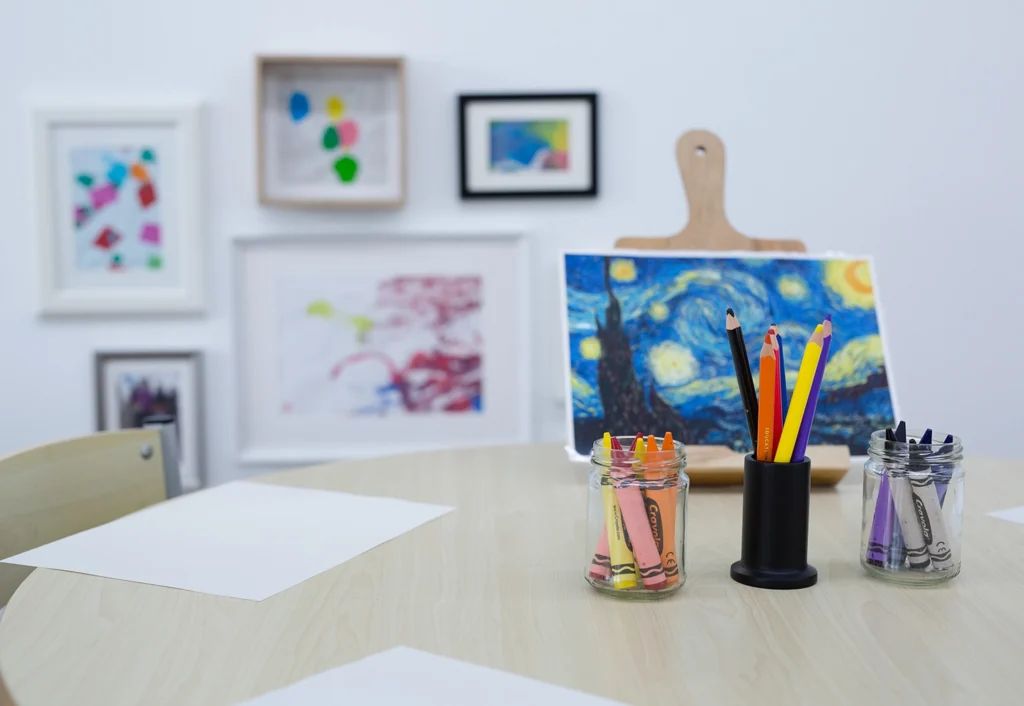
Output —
(885, 543)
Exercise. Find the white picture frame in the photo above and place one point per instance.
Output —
(128, 389)
(118, 193)
(302, 399)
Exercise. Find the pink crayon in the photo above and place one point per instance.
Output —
(634, 514)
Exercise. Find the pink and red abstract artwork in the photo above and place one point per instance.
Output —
(408, 344)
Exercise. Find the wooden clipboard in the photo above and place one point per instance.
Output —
(701, 158)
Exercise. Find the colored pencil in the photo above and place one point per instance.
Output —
(742, 365)
(797, 406)
(766, 402)
(812, 401)
(782, 371)
(778, 393)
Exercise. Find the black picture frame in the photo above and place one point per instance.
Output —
(466, 100)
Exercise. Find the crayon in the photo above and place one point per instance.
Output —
(661, 507)
(622, 568)
(943, 471)
(634, 515)
(903, 499)
(927, 506)
(601, 564)
(885, 543)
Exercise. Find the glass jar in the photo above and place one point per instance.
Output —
(636, 517)
(913, 509)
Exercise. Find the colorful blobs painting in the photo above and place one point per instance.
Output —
(150, 233)
(335, 108)
(298, 106)
(139, 172)
(147, 195)
(155, 262)
(349, 131)
(102, 195)
(330, 138)
(116, 173)
(108, 220)
(346, 168)
(529, 145)
(107, 239)
(369, 346)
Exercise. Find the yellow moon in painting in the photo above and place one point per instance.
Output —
(590, 348)
(671, 364)
(622, 270)
(851, 280)
(658, 311)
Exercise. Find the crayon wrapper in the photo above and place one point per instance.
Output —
(623, 568)
(661, 515)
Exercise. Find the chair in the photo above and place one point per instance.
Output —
(56, 490)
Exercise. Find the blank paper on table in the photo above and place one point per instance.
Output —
(403, 675)
(244, 540)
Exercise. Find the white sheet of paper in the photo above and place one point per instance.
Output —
(403, 675)
(244, 540)
(1013, 514)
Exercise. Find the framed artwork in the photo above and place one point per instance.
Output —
(133, 386)
(528, 145)
(363, 346)
(119, 210)
(646, 347)
(331, 131)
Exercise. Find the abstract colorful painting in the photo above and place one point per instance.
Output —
(407, 344)
(648, 352)
(331, 130)
(116, 208)
(529, 144)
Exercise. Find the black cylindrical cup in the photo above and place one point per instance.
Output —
(776, 510)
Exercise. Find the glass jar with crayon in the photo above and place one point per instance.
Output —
(912, 520)
(636, 518)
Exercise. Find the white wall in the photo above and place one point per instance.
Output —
(884, 128)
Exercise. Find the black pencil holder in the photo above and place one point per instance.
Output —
(776, 511)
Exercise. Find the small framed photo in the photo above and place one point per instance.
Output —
(331, 131)
(131, 387)
(119, 210)
(528, 145)
(364, 346)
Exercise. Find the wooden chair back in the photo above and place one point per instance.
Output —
(56, 490)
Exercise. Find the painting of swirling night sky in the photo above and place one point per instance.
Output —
(648, 351)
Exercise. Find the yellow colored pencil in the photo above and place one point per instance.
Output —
(798, 402)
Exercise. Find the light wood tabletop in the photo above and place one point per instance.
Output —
(499, 582)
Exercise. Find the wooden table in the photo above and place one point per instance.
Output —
(499, 582)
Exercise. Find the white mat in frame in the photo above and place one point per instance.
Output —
(355, 346)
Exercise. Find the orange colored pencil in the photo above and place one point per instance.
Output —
(766, 402)
(779, 372)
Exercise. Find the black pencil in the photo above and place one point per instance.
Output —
(743, 374)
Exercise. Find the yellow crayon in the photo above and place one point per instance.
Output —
(623, 565)
(798, 402)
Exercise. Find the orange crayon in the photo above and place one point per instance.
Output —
(661, 508)
(634, 516)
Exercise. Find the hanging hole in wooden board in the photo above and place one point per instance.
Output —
(701, 151)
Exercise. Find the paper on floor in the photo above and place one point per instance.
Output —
(244, 540)
(1014, 514)
(403, 675)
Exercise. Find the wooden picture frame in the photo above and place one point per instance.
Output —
(182, 369)
(119, 193)
(549, 144)
(317, 148)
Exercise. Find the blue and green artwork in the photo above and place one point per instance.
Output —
(648, 351)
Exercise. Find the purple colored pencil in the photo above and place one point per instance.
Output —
(800, 447)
